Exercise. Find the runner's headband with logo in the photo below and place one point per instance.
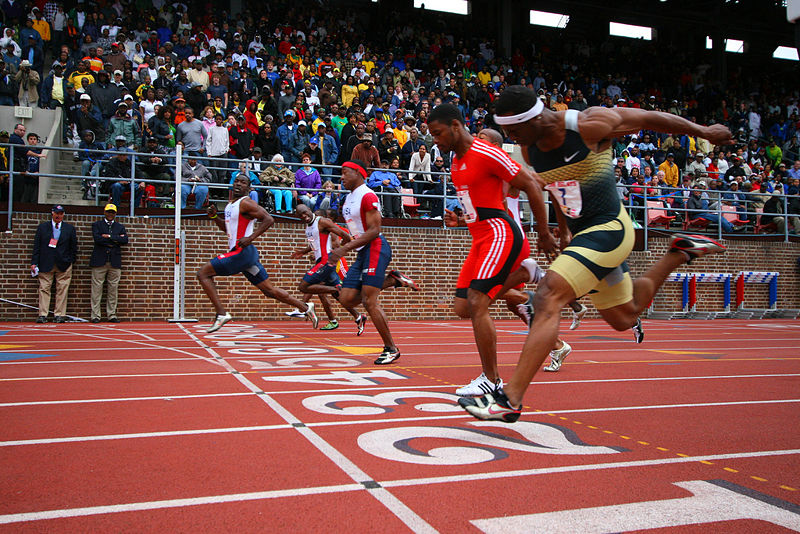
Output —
(356, 167)
(535, 111)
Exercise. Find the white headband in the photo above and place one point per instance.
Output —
(535, 111)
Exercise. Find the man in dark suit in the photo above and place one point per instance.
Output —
(106, 262)
(55, 248)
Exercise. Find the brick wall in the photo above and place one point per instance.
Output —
(430, 255)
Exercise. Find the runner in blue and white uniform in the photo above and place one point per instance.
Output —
(242, 256)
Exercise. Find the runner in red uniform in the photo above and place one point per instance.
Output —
(479, 172)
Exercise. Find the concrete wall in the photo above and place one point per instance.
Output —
(432, 256)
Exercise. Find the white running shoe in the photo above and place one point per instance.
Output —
(638, 331)
(557, 357)
(295, 313)
(479, 386)
(219, 322)
(577, 316)
(311, 315)
(535, 273)
(526, 310)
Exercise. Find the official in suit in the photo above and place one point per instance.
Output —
(106, 262)
(55, 248)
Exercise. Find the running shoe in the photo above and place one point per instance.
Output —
(219, 321)
(332, 325)
(387, 356)
(577, 316)
(311, 315)
(526, 309)
(479, 386)
(638, 331)
(404, 280)
(557, 357)
(695, 246)
(535, 273)
(360, 323)
(295, 313)
(492, 406)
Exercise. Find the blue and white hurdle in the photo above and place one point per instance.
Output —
(710, 278)
(683, 279)
(756, 277)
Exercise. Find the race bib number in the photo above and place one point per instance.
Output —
(568, 196)
(470, 215)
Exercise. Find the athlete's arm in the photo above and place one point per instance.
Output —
(333, 228)
(598, 124)
(300, 252)
(213, 214)
(373, 223)
(251, 210)
(525, 181)
(564, 234)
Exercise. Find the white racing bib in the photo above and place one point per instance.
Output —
(470, 215)
(568, 195)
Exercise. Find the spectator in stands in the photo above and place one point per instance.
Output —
(161, 128)
(300, 142)
(153, 166)
(244, 167)
(118, 166)
(30, 178)
(307, 178)
(218, 146)
(671, 170)
(388, 148)
(280, 179)
(194, 176)
(91, 157)
(191, 132)
(105, 95)
(7, 87)
(698, 208)
(27, 80)
(622, 189)
(329, 150)
(383, 181)
(419, 167)
(365, 151)
(774, 211)
(122, 125)
(54, 88)
(267, 140)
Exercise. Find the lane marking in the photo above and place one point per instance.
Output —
(346, 488)
(121, 399)
(84, 377)
(358, 351)
(411, 519)
(293, 420)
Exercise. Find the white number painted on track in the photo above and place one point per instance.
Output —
(239, 336)
(398, 444)
(297, 363)
(329, 404)
(345, 378)
(710, 502)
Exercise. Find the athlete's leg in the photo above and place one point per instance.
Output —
(316, 289)
(369, 297)
(553, 294)
(624, 316)
(281, 295)
(350, 297)
(206, 278)
(485, 332)
(575, 305)
(326, 305)
(514, 298)
(461, 307)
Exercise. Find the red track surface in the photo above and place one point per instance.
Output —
(276, 427)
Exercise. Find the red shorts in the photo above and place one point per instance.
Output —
(497, 250)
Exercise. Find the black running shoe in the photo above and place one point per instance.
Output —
(404, 280)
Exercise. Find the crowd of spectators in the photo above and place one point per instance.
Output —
(287, 92)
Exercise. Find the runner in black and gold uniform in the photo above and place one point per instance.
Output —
(571, 152)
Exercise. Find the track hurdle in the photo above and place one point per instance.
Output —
(710, 278)
(684, 280)
(756, 277)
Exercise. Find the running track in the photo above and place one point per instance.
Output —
(155, 427)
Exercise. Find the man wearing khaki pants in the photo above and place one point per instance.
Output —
(106, 262)
(55, 248)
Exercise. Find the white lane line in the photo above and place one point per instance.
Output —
(176, 503)
(346, 465)
(120, 399)
(380, 388)
(22, 379)
(346, 488)
(40, 362)
(394, 505)
(137, 435)
(585, 467)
